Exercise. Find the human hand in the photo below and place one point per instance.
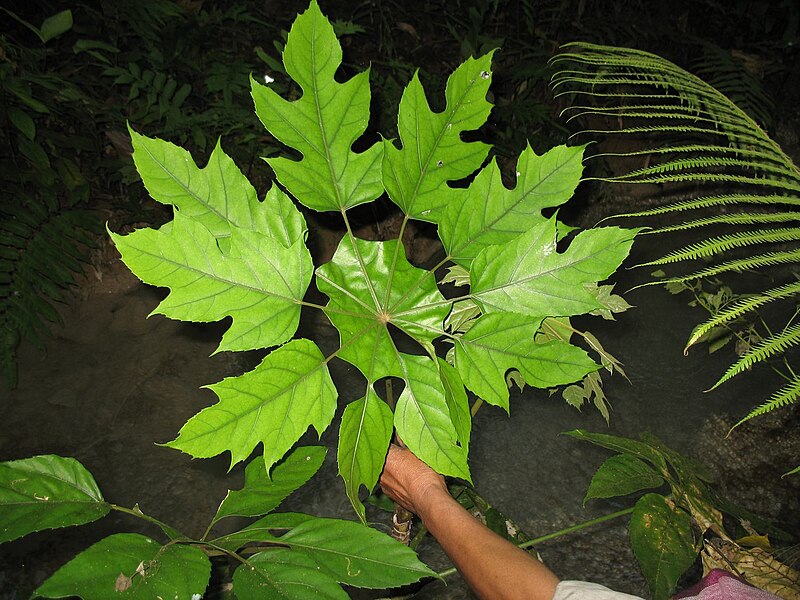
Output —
(409, 481)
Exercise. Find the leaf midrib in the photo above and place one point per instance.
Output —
(215, 277)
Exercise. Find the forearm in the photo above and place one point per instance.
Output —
(493, 567)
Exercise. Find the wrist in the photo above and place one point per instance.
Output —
(434, 500)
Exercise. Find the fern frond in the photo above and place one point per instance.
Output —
(709, 162)
(734, 219)
(721, 244)
(621, 67)
(740, 307)
(758, 157)
(783, 397)
(777, 343)
(726, 73)
(643, 110)
(688, 103)
(686, 130)
(714, 201)
(706, 178)
(731, 136)
(744, 264)
(39, 258)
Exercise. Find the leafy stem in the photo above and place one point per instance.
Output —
(173, 533)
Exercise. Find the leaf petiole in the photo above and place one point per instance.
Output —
(171, 532)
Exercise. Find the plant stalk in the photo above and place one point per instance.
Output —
(555, 534)
(401, 518)
(173, 533)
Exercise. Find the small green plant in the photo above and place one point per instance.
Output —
(669, 531)
(227, 254)
(280, 555)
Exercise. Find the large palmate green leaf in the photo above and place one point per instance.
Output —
(433, 153)
(366, 295)
(259, 282)
(364, 436)
(498, 342)
(356, 555)
(131, 566)
(227, 254)
(273, 404)
(44, 492)
(323, 123)
(528, 275)
(262, 493)
(489, 214)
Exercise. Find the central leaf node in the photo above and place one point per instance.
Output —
(369, 285)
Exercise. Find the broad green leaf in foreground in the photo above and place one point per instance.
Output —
(498, 342)
(263, 493)
(620, 475)
(422, 418)
(487, 213)
(273, 404)
(356, 555)
(364, 298)
(364, 436)
(433, 152)
(131, 566)
(529, 276)
(259, 282)
(44, 492)
(281, 573)
(323, 123)
(218, 196)
(661, 537)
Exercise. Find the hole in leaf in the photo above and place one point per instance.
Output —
(389, 385)
(404, 342)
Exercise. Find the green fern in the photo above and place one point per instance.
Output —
(775, 344)
(785, 396)
(746, 264)
(39, 257)
(716, 202)
(730, 75)
(741, 307)
(736, 219)
(685, 130)
(720, 245)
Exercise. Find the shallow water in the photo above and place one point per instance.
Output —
(113, 382)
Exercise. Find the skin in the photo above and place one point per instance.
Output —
(493, 567)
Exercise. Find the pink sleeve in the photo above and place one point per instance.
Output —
(721, 585)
